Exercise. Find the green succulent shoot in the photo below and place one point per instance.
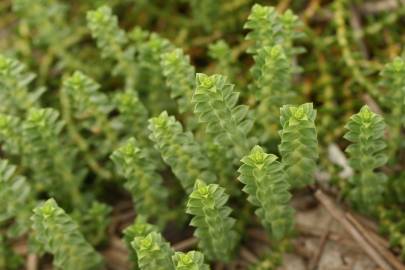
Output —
(211, 217)
(299, 144)
(365, 131)
(59, 235)
(192, 260)
(153, 252)
(268, 189)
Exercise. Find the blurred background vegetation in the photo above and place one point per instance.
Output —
(346, 45)
(346, 42)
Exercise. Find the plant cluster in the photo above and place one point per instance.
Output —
(203, 126)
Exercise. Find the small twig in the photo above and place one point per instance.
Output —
(125, 217)
(239, 49)
(339, 215)
(378, 239)
(355, 22)
(283, 5)
(367, 223)
(118, 244)
(124, 206)
(317, 231)
(32, 262)
(372, 104)
(116, 259)
(322, 15)
(333, 236)
(310, 10)
(315, 261)
(373, 7)
(200, 41)
(368, 235)
(301, 249)
(248, 255)
(259, 235)
(185, 244)
(20, 245)
(219, 266)
(347, 54)
(79, 140)
(120, 220)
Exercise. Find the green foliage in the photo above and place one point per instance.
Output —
(179, 74)
(153, 252)
(87, 102)
(393, 79)
(133, 115)
(45, 19)
(215, 104)
(211, 17)
(94, 221)
(205, 13)
(60, 236)
(366, 133)
(132, 119)
(111, 67)
(266, 184)
(214, 227)
(268, 28)
(273, 36)
(10, 134)
(89, 108)
(111, 40)
(15, 96)
(140, 228)
(272, 75)
(141, 180)
(104, 28)
(265, 27)
(222, 53)
(192, 260)
(8, 258)
(149, 49)
(269, 262)
(180, 151)
(349, 57)
(86, 109)
(392, 222)
(299, 146)
(52, 165)
(16, 199)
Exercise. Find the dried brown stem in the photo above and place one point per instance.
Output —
(368, 235)
(339, 215)
(259, 235)
(373, 7)
(116, 259)
(185, 244)
(32, 262)
(315, 261)
(248, 255)
(372, 104)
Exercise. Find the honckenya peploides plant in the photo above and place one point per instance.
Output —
(197, 135)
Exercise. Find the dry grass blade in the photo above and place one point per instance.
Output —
(185, 244)
(315, 260)
(32, 262)
(368, 235)
(339, 215)
(248, 255)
